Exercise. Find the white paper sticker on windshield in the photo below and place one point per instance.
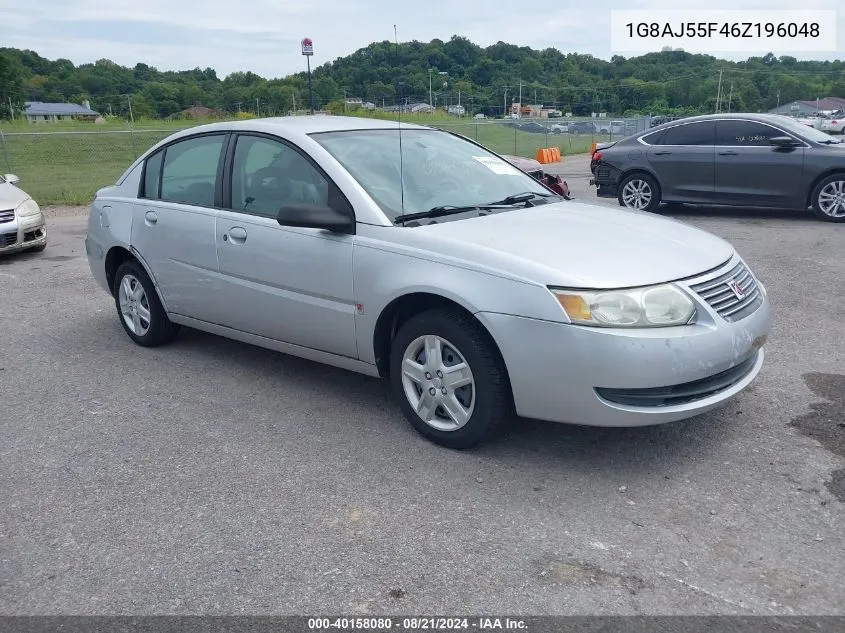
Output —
(497, 166)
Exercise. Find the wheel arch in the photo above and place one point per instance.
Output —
(818, 179)
(639, 169)
(116, 256)
(402, 308)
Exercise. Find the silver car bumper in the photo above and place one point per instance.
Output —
(629, 377)
(22, 233)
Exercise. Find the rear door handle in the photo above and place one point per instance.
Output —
(663, 153)
(237, 234)
(151, 217)
(727, 153)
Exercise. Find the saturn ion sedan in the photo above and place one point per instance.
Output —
(414, 254)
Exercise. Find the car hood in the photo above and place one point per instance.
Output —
(11, 196)
(581, 245)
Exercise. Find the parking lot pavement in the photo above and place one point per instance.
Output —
(213, 477)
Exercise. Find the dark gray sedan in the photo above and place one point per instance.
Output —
(726, 159)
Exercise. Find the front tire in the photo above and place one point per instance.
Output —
(639, 192)
(139, 309)
(829, 198)
(450, 379)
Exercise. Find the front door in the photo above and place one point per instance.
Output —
(288, 284)
(750, 171)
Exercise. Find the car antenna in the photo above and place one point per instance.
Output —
(401, 166)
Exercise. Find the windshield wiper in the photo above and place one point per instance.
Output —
(439, 212)
(523, 197)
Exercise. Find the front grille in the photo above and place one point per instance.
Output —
(7, 215)
(8, 239)
(681, 394)
(720, 295)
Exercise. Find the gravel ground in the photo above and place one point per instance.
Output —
(214, 477)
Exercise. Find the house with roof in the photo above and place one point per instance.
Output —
(810, 106)
(39, 112)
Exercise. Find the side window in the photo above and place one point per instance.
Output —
(654, 138)
(267, 175)
(702, 133)
(152, 175)
(745, 134)
(190, 170)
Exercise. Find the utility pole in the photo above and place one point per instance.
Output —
(719, 93)
(730, 96)
(11, 110)
(257, 109)
(778, 105)
(293, 97)
(430, 100)
(131, 116)
(519, 114)
(505, 104)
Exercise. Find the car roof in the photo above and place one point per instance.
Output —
(299, 125)
(749, 116)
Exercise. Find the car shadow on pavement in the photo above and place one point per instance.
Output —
(363, 409)
(373, 402)
(680, 211)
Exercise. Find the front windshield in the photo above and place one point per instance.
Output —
(809, 133)
(438, 169)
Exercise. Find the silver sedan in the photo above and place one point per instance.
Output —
(417, 255)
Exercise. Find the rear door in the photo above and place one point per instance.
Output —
(173, 223)
(683, 159)
(750, 171)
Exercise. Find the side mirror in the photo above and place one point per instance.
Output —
(11, 179)
(316, 216)
(783, 141)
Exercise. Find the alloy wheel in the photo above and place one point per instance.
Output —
(832, 199)
(637, 194)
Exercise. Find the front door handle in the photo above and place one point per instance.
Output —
(727, 153)
(663, 153)
(151, 217)
(237, 234)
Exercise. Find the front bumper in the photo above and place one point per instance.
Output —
(22, 233)
(629, 377)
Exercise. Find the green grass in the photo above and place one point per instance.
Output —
(67, 162)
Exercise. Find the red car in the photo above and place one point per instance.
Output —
(535, 169)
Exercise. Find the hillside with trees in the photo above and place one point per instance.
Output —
(483, 78)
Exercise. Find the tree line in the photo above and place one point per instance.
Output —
(485, 79)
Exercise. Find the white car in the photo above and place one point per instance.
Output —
(833, 126)
(22, 225)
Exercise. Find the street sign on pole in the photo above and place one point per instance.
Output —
(308, 51)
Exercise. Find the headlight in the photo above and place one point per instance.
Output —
(654, 306)
(27, 209)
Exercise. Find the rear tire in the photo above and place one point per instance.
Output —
(445, 365)
(639, 192)
(828, 198)
(138, 307)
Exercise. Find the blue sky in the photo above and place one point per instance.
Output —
(263, 35)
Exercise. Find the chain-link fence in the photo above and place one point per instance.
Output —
(68, 167)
